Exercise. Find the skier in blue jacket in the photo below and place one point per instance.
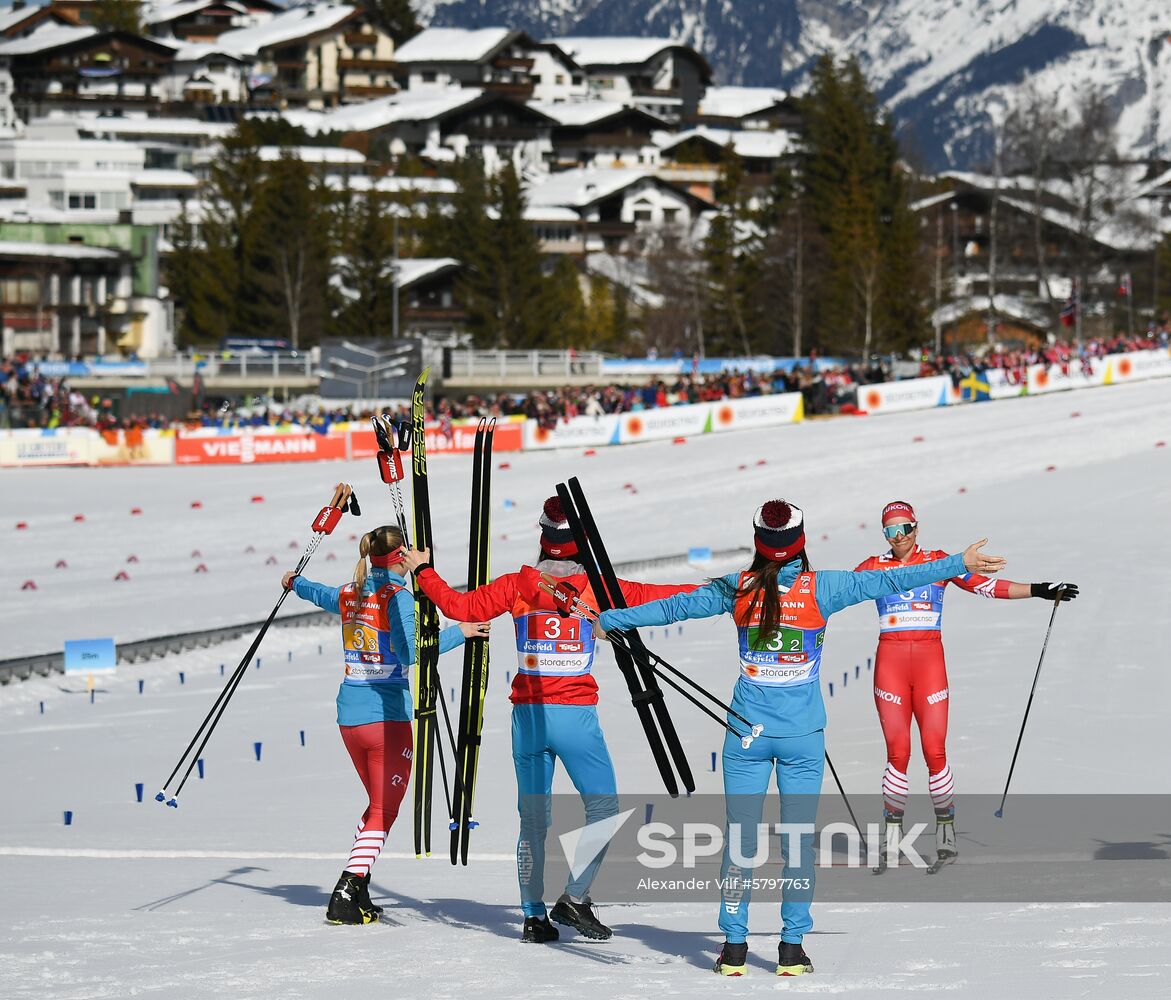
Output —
(374, 706)
(780, 607)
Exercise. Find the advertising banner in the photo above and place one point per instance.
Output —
(35, 447)
(508, 437)
(662, 424)
(756, 411)
(1074, 375)
(1137, 365)
(909, 394)
(244, 449)
(578, 432)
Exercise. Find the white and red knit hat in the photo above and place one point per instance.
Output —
(780, 530)
(556, 536)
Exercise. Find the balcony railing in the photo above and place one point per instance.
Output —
(512, 364)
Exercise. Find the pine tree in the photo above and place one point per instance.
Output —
(366, 270)
(117, 15)
(395, 17)
(729, 254)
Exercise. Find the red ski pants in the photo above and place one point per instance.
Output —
(910, 680)
(381, 752)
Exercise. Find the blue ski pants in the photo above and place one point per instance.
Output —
(798, 762)
(541, 735)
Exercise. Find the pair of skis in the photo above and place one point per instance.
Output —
(427, 687)
(641, 679)
(475, 673)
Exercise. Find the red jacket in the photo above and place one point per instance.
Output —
(518, 595)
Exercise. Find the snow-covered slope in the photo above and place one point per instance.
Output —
(224, 896)
(943, 67)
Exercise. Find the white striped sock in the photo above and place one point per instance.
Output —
(367, 846)
(894, 789)
(942, 787)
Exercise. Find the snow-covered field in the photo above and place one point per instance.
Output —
(225, 895)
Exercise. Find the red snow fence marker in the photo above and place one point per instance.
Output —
(196, 554)
(22, 525)
(29, 585)
(963, 489)
(250, 550)
(1160, 444)
(270, 561)
(741, 468)
(504, 465)
(1051, 468)
(353, 538)
(78, 518)
(293, 545)
(258, 499)
(1076, 413)
(121, 575)
(761, 461)
(131, 559)
(589, 453)
(679, 441)
(862, 526)
(825, 538)
(61, 564)
(917, 439)
(201, 568)
(196, 505)
(332, 557)
(135, 511)
(628, 486)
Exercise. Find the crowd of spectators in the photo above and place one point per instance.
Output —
(30, 399)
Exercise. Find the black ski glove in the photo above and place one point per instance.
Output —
(1055, 591)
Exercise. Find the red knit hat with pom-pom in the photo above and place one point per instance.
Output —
(556, 536)
(780, 530)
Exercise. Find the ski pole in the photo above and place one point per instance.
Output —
(1032, 691)
(327, 518)
(838, 781)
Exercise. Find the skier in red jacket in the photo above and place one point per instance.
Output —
(910, 677)
(555, 715)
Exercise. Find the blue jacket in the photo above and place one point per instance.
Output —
(783, 711)
(359, 704)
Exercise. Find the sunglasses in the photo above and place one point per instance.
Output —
(893, 531)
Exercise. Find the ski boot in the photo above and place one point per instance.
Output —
(364, 896)
(345, 905)
(792, 960)
(581, 917)
(538, 930)
(945, 839)
(732, 960)
(892, 824)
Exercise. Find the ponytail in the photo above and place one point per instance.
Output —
(762, 590)
(379, 542)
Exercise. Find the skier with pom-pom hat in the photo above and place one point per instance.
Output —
(554, 715)
(780, 606)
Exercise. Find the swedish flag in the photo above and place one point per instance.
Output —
(975, 388)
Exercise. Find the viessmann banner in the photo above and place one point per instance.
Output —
(246, 449)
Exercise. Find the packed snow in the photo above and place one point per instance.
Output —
(226, 894)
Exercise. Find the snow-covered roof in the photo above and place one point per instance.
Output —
(297, 22)
(738, 102)
(1147, 188)
(630, 273)
(95, 125)
(162, 13)
(406, 106)
(164, 179)
(312, 154)
(394, 185)
(441, 45)
(615, 50)
(751, 144)
(68, 251)
(412, 269)
(580, 112)
(931, 201)
(1006, 305)
(195, 51)
(550, 213)
(583, 185)
(47, 36)
(12, 16)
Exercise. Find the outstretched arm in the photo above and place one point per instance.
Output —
(479, 605)
(643, 593)
(1001, 590)
(324, 597)
(704, 602)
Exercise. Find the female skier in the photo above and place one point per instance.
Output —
(780, 607)
(910, 678)
(554, 715)
(374, 701)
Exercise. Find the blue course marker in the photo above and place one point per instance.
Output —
(92, 692)
(138, 791)
(199, 765)
(649, 808)
(857, 671)
(69, 817)
(831, 689)
(221, 670)
(182, 678)
(713, 760)
(42, 708)
(141, 685)
(302, 737)
(290, 656)
(258, 663)
(256, 747)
